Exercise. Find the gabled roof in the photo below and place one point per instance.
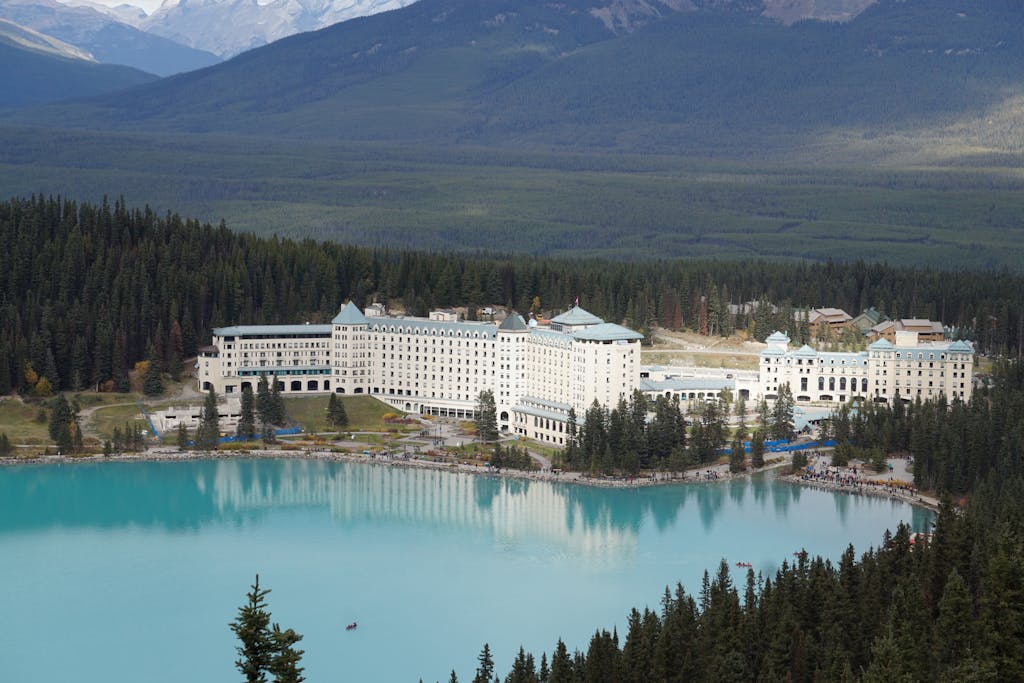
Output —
(513, 323)
(805, 351)
(962, 346)
(777, 338)
(881, 345)
(577, 316)
(350, 315)
(607, 332)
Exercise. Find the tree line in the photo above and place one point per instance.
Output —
(87, 291)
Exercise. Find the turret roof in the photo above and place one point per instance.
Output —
(350, 315)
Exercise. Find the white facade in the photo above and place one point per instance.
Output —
(909, 369)
(439, 366)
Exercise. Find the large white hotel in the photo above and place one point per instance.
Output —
(439, 366)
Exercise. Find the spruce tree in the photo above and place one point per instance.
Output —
(208, 431)
(486, 417)
(252, 627)
(263, 403)
(60, 427)
(247, 416)
(485, 670)
(284, 663)
(152, 379)
(336, 415)
(5, 445)
(182, 437)
(757, 449)
(276, 403)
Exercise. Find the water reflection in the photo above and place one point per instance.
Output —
(187, 495)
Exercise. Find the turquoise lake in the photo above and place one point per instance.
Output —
(131, 572)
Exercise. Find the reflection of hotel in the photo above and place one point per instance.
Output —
(909, 368)
(439, 365)
(514, 511)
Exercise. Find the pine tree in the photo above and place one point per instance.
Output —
(182, 437)
(208, 431)
(247, 417)
(60, 427)
(486, 417)
(152, 380)
(284, 664)
(264, 409)
(485, 670)
(757, 449)
(276, 403)
(336, 415)
(252, 627)
(5, 445)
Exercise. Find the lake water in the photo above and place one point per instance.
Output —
(130, 572)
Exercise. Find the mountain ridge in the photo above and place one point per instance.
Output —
(107, 39)
(717, 77)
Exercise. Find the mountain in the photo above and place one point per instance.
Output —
(108, 40)
(228, 27)
(39, 68)
(713, 76)
(19, 36)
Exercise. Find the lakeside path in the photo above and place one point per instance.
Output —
(707, 475)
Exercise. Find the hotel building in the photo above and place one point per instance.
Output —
(439, 365)
(908, 368)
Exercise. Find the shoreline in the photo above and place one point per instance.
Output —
(864, 489)
(710, 475)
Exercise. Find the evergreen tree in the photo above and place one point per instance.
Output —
(252, 627)
(737, 458)
(264, 409)
(284, 663)
(277, 413)
(208, 431)
(485, 669)
(757, 449)
(5, 445)
(486, 417)
(336, 415)
(152, 379)
(247, 415)
(782, 424)
(61, 425)
(182, 437)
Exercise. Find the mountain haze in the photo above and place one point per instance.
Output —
(39, 68)
(107, 39)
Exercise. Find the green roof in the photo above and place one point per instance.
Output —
(350, 315)
(513, 323)
(607, 332)
(576, 316)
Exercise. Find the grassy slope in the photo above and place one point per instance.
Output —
(364, 413)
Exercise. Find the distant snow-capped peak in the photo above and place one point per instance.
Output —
(227, 27)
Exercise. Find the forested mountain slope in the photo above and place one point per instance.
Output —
(36, 70)
(707, 76)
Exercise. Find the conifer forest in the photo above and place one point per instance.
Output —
(88, 290)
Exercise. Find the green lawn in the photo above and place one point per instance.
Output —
(104, 420)
(18, 421)
(364, 413)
